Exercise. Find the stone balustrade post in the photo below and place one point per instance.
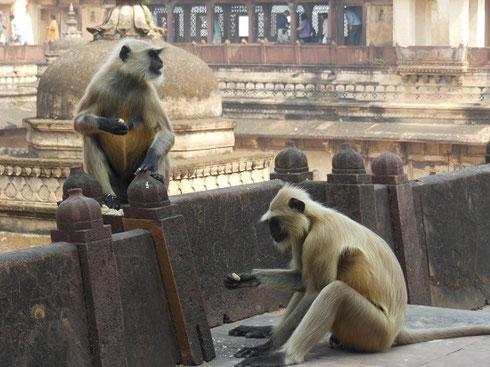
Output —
(79, 221)
(350, 190)
(291, 165)
(150, 209)
(388, 170)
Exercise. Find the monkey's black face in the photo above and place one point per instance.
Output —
(277, 233)
(156, 63)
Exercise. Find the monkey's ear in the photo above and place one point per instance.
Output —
(297, 205)
(124, 53)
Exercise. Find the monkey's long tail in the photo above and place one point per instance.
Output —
(411, 336)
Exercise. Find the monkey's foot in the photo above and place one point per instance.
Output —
(258, 350)
(112, 201)
(276, 359)
(258, 332)
(158, 177)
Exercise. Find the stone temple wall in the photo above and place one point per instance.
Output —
(55, 297)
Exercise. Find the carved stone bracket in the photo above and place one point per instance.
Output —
(432, 64)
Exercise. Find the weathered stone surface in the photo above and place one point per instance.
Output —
(150, 333)
(225, 236)
(452, 214)
(79, 221)
(43, 320)
(385, 226)
(388, 169)
(150, 209)
(350, 190)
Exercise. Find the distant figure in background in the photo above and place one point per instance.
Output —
(354, 27)
(53, 32)
(3, 28)
(305, 30)
(15, 34)
(217, 31)
(324, 16)
(282, 27)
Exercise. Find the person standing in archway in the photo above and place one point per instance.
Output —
(53, 32)
(354, 27)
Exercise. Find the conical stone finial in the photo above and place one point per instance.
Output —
(388, 169)
(291, 165)
(72, 23)
(347, 160)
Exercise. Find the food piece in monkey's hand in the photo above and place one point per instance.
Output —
(234, 280)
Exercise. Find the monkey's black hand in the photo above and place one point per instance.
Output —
(234, 280)
(269, 360)
(112, 201)
(257, 332)
(258, 350)
(112, 125)
(158, 177)
(150, 163)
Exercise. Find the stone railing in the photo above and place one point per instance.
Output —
(314, 54)
(23, 53)
(350, 91)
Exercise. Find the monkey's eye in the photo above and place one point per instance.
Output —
(152, 53)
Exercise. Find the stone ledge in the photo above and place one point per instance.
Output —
(401, 132)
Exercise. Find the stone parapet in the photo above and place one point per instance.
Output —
(30, 188)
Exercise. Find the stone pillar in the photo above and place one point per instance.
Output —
(79, 221)
(476, 36)
(170, 21)
(267, 21)
(294, 20)
(187, 22)
(458, 22)
(251, 23)
(336, 21)
(350, 190)
(150, 209)
(388, 170)
(210, 16)
(226, 22)
(291, 165)
(487, 156)
(404, 22)
(439, 23)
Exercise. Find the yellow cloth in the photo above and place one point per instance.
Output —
(53, 33)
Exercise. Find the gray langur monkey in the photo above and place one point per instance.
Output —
(121, 117)
(346, 281)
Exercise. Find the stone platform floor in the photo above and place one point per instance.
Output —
(459, 352)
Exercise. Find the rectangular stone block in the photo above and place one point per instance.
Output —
(225, 236)
(150, 333)
(43, 318)
(453, 219)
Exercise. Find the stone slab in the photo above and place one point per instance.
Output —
(150, 333)
(406, 132)
(42, 309)
(453, 218)
(225, 236)
(457, 352)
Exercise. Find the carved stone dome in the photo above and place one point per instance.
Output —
(291, 160)
(190, 89)
(347, 159)
(387, 164)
